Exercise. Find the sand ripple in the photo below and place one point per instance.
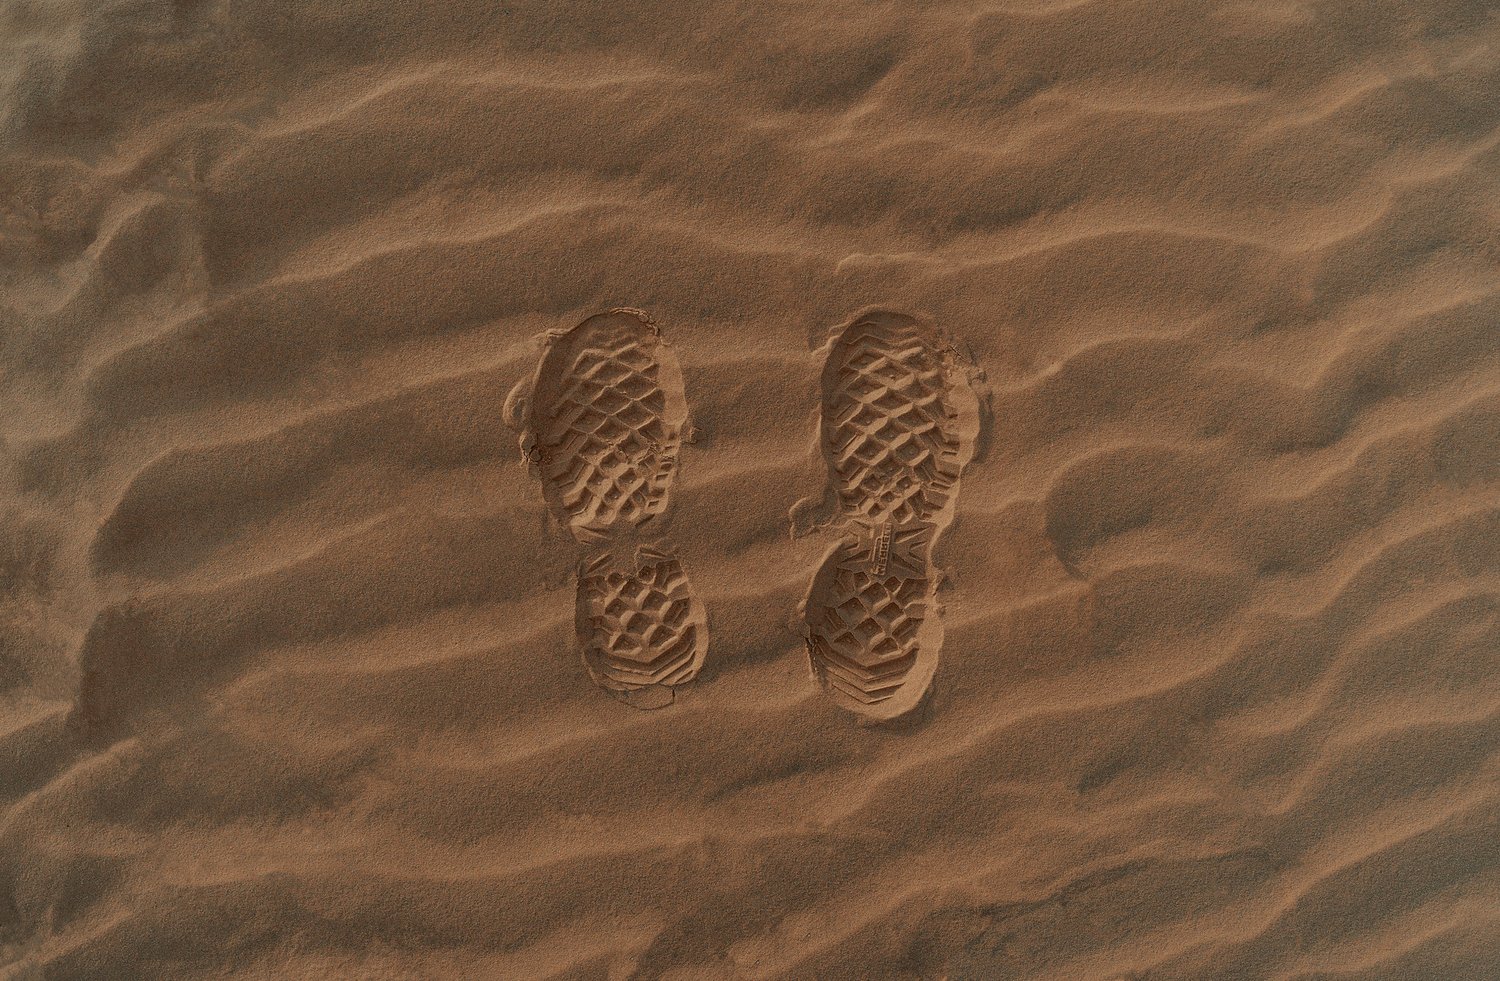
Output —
(288, 673)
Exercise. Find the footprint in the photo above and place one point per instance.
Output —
(602, 421)
(899, 423)
(641, 629)
(870, 638)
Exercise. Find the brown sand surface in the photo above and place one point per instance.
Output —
(305, 671)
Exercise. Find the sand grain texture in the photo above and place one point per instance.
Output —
(290, 627)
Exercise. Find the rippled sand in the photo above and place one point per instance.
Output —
(290, 681)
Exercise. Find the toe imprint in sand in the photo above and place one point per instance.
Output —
(606, 418)
(602, 421)
(893, 428)
(898, 426)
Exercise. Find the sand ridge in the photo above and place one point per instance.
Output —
(296, 675)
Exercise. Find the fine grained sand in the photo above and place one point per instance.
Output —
(290, 678)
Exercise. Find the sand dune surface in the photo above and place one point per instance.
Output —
(695, 490)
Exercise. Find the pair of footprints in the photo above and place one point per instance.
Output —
(602, 421)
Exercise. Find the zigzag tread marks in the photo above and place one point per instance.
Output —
(639, 624)
(607, 414)
(898, 426)
(871, 639)
(898, 423)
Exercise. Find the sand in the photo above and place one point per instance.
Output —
(1047, 529)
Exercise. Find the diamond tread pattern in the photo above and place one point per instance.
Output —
(864, 633)
(641, 624)
(890, 432)
(606, 446)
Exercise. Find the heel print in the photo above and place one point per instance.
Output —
(870, 638)
(640, 628)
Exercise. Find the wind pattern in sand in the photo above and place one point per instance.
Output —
(289, 671)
